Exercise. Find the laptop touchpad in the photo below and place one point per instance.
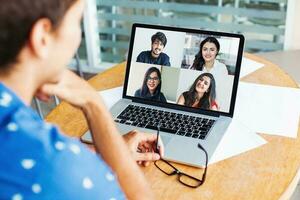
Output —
(165, 139)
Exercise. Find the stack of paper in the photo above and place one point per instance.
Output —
(111, 96)
(237, 139)
(268, 109)
(248, 66)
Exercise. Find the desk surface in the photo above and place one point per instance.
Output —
(262, 173)
(286, 60)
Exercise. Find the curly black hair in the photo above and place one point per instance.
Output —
(159, 36)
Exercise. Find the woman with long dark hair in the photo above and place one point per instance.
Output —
(151, 86)
(205, 59)
(202, 93)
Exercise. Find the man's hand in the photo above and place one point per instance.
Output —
(143, 147)
(70, 88)
(108, 142)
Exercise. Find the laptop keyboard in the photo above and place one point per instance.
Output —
(170, 122)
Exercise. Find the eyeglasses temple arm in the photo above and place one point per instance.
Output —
(206, 161)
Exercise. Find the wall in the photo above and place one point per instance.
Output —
(292, 31)
(170, 80)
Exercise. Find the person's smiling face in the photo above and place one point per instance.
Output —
(209, 51)
(203, 84)
(152, 82)
(156, 48)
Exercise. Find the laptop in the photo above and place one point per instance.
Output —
(183, 80)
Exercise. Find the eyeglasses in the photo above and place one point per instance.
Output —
(152, 79)
(183, 178)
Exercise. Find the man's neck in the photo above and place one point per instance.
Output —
(21, 81)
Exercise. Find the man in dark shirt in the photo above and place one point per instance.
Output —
(155, 56)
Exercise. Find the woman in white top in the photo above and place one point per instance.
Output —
(205, 59)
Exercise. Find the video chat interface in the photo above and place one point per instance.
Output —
(169, 66)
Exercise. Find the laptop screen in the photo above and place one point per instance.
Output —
(186, 68)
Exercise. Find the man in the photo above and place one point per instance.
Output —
(155, 56)
(37, 40)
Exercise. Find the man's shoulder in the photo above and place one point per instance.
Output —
(38, 162)
(51, 162)
(144, 56)
(165, 56)
(165, 59)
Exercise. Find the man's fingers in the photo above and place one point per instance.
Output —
(49, 89)
(148, 156)
(146, 163)
(42, 97)
(146, 145)
(60, 92)
(146, 136)
(147, 139)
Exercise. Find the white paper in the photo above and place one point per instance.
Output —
(268, 109)
(111, 96)
(237, 139)
(248, 66)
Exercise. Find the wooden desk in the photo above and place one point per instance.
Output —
(263, 173)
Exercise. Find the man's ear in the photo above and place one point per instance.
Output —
(40, 38)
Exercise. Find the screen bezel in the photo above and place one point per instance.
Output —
(176, 106)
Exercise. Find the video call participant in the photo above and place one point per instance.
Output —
(151, 86)
(202, 93)
(155, 56)
(205, 59)
(38, 38)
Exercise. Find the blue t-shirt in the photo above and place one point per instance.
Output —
(38, 162)
(146, 57)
